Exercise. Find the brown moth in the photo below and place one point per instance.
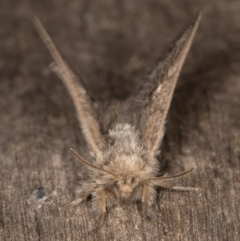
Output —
(125, 166)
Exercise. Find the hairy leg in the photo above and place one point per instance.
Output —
(103, 198)
(148, 198)
(171, 186)
(86, 190)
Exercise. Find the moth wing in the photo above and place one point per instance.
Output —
(82, 101)
(156, 95)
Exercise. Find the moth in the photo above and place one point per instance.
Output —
(125, 138)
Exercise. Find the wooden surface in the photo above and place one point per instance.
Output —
(112, 44)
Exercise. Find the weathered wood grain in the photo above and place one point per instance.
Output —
(111, 44)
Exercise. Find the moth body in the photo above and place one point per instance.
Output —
(125, 167)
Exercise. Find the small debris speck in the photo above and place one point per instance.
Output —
(39, 195)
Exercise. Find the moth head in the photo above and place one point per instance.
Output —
(126, 185)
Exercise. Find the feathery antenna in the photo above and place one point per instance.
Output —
(92, 167)
(169, 177)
